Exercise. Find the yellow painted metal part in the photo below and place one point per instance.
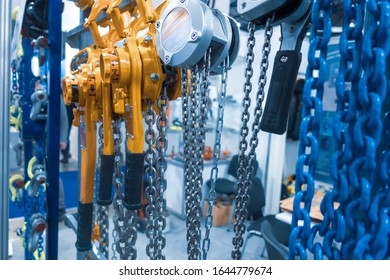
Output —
(135, 143)
(146, 10)
(153, 76)
(84, 4)
(88, 156)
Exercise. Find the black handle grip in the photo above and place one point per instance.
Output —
(105, 180)
(281, 89)
(134, 180)
(84, 227)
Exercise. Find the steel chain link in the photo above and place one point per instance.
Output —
(150, 175)
(246, 162)
(216, 154)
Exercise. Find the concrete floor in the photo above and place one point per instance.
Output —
(220, 248)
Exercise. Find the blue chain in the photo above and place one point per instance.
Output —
(347, 86)
(360, 227)
(316, 73)
(370, 234)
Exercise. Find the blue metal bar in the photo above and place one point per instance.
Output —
(53, 132)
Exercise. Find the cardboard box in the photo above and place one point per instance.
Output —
(221, 213)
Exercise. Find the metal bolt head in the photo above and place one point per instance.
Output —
(148, 38)
(284, 59)
(154, 77)
(194, 35)
(158, 24)
(182, 1)
(243, 5)
(167, 58)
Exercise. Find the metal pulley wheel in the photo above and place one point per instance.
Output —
(188, 28)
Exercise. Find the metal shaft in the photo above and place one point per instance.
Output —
(5, 35)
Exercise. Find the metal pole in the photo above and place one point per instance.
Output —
(53, 134)
(5, 46)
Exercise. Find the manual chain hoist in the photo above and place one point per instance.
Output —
(148, 77)
(293, 18)
(124, 94)
(201, 40)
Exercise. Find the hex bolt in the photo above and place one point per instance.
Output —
(167, 58)
(148, 38)
(284, 59)
(154, 77)
(243, 5)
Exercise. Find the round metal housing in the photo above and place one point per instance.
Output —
(188, 28)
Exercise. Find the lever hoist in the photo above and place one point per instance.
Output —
(128, 80)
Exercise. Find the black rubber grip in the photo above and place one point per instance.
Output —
(281, 89)
(105, 180)
(84, 227)
(134, 180)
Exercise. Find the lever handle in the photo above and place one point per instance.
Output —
(105, 180)
(281, 88)
(134, 180)
(84, 227)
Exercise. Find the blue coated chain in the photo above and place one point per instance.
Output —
(367, 240)
(316, 73)
(347, 89)
(360, 227)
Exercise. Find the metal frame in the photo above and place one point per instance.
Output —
(5, 47)
(53, 132)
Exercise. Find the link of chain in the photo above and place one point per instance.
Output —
(245, 170)
(216, 154)
(161, 182)
(102, 211)
(320, 34)
(150, 175)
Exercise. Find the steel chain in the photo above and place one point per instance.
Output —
(150, 175)
(191, 137)
(102, 211)
(161, 165)
(216, 154)
(187, 145)
(246, 162)
(316, 73)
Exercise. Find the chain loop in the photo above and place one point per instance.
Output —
(216, 154)
(150, 175)
(246, 162)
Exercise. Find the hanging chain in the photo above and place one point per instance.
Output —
(161, 182)
(320, 34)
(150, 175)
(346, 116)
(119, 220)
(216, 154)
(246, 170)
(367, 235)
(194, 141)
(191, 137)
(187, 147)
(102, 211)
